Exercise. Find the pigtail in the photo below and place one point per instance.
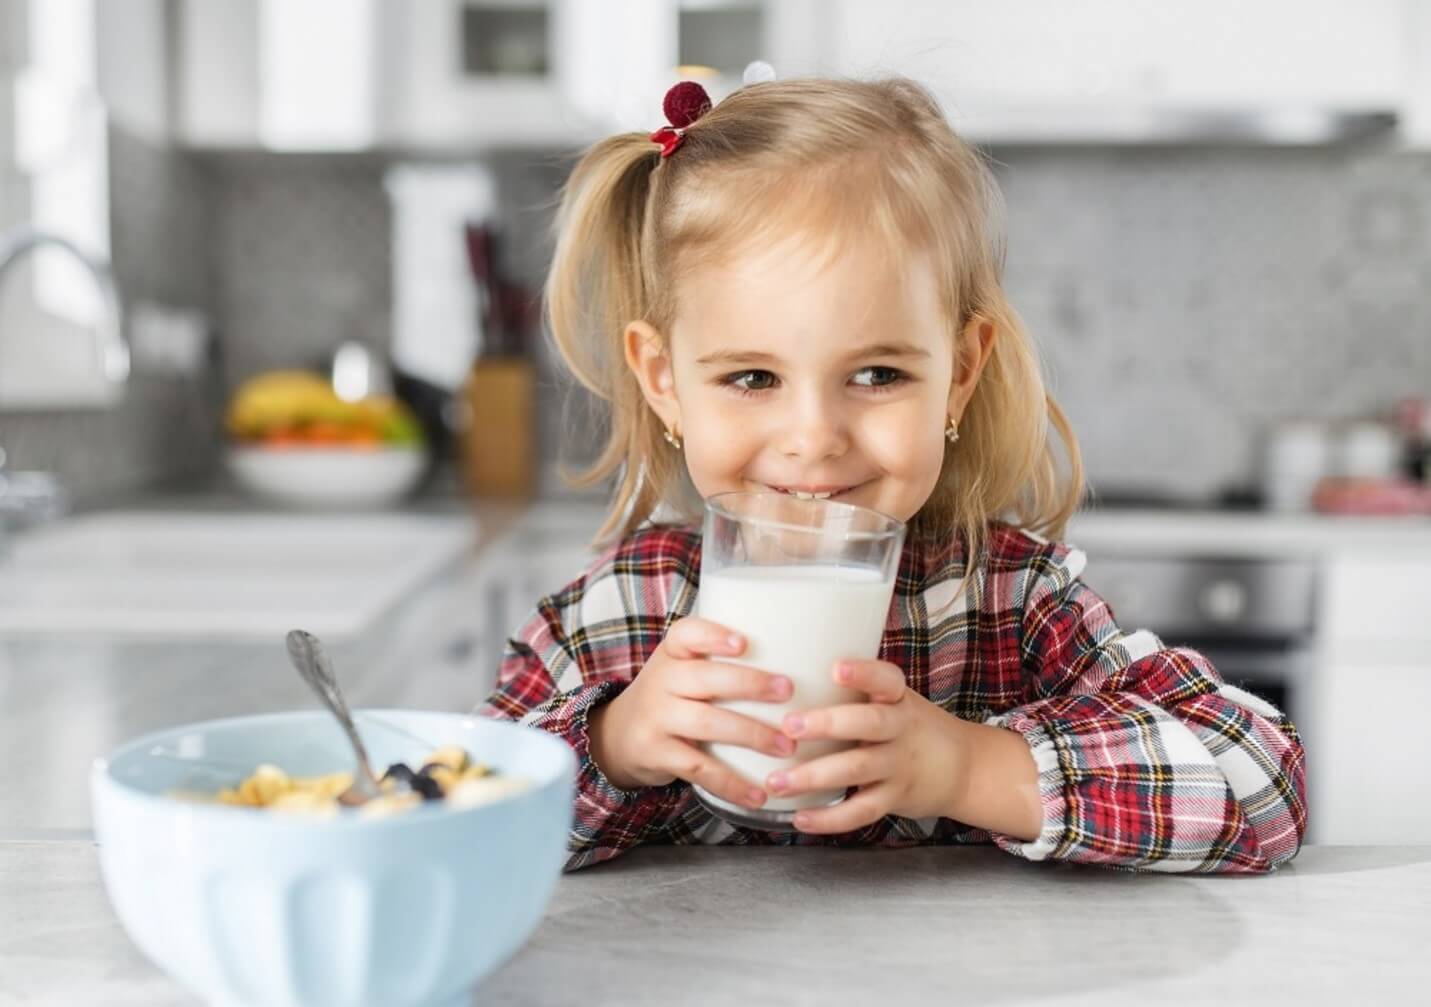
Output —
(597, 285)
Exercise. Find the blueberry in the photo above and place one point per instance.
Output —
(429, 788)
(420, 783)
(399, 771)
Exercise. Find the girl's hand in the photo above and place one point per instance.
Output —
(911, 759)
(648, 735)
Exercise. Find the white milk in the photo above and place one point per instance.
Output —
(798, 621)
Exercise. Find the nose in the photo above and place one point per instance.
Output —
(813, 429)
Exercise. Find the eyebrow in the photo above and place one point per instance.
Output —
(760, 357)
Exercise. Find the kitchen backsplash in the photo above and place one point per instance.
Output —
(300, 254)
(1184, 298)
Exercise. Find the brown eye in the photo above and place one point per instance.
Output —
(750, 381)
(880, 377)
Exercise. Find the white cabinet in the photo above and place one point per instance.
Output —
(1416, 113)
(461, 74)
(290, 76)
(517, 571)
(1028, 69)
(1367, 751)
(440, 74)
(1368, 757)
(133, 67)
(1195, 52)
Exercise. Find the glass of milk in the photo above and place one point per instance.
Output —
(808, 582)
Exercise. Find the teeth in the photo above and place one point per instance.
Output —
(810, 496)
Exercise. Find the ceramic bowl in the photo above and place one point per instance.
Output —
(328, 477)
(246, 906)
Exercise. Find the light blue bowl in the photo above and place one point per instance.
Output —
(252, 907)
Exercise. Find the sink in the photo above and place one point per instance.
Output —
(153, 573)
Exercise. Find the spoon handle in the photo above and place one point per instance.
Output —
(312, 663)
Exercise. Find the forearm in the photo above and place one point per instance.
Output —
(996, 788)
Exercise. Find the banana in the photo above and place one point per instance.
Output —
(294, 398)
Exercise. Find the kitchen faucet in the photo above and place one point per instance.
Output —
(26, 497)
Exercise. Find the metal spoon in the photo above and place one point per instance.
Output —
(312, 663)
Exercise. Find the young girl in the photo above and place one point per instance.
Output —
(798, 290)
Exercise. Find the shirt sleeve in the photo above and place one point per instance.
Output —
(1146, 759)
(606, 820)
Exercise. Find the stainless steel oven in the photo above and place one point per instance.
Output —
(1253, 618)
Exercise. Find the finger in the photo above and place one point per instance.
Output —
(691, 718)
(696, 679)
(864, 806)
(851, 722)
(694, 766)
(881, 681)
(851, 768)
(694, 637)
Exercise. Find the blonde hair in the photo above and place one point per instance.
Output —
(827, 161)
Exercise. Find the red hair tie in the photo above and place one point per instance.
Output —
(684, 104)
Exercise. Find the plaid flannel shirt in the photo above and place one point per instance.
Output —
(1146, 758)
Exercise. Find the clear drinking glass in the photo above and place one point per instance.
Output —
(807, 582)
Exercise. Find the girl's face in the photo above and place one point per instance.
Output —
(779, 374)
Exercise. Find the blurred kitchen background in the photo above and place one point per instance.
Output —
(1219, 218)
(1218, 212)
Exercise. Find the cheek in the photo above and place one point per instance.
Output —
(719, 446)
(904, 442)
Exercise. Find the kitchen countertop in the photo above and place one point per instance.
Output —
(1252, 534)
(64, 701)
(1337, 920)
(69, 700)
(707, 925)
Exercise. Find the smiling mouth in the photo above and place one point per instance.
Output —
(823, 493)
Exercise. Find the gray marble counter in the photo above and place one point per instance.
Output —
(65, 701)
(679, 926)
(703, 925)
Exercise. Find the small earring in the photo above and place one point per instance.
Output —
(953, 432)
(673, 440)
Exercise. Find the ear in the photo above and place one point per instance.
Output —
(971, 353)
(647, 356)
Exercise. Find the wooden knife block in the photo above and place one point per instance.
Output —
(499, 449)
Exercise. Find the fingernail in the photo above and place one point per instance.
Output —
(755, 798)
(781, 686)
(778, 782)
(784, 745)
(794, 724)
(843, 672)
(734, 641)
(801, 821)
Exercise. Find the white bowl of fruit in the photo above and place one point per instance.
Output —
(292, 439)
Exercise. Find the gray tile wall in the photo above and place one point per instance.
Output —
(301, 255)
(1184, 299)
(165, 431)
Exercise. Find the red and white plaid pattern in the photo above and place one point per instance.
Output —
(1147, 760)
